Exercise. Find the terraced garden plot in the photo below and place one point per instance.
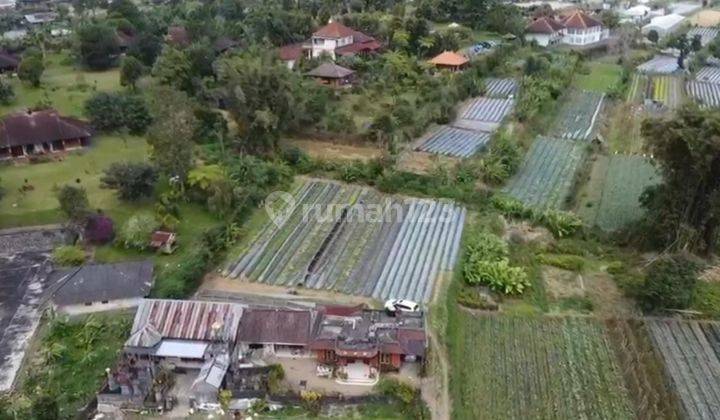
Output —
(660, 64)
(707, 35)
(667, 90)
(501, 88)
(456, 142)
(536, 368)
(485, 113)
(708, 74)
(546, 176)
(578, 115)
(638, 86)
(355, 240)
(626, 179)
(690, 351)
(707, 95)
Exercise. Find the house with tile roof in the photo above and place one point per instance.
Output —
(24, 134)
(577, 29)
(334, 40)
(449, 60)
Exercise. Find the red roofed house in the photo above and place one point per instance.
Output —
(163, 241)
(583, 29)
(450, 61)
(32, 133)
(545, 31)
(576, 29)
(334, 39)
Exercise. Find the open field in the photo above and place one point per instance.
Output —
(39, 205)
(320, 149)
(706, 95)
(622, 131)
(690, 351)
(601, 78)
(578, 115)
(501, 88)
(64, 86)
(667, 90)
(456, 142)
(522, 367)
(357, 241)
(546, 176)
(706, 18)
(626, 178)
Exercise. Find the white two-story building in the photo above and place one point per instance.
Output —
(577, 29)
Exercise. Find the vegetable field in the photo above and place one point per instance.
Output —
(536, 368)
(690, 351)
(660, 64)
(708, 74)
(707, 95)
(456, 142)
(626, 178)
(706, 34)
(501, 88)
(546, 176)
(484, 114)
(667, 90)
(355, 240)
(578, 115)
(638, 86)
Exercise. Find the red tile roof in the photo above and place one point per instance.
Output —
(178, 36)
(160, 238)
(544, 25)
(580, 20)
(37, 127)
(291, 52)
(330, 71)
(449, 58)
(334, 30)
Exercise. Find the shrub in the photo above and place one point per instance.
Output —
(396, 389)
(294, 156)
(136, 232)
(486, 246)
(707, 298)
(99, 229)
(7, 93)
(311, 402)
(472, 298)
(31, 69)
(486, 263)
(115, 111)
(68, 255)
(669, 284)
(566, 262)
(132, 181)
(179, 281)
(73, 202)
(561, 223)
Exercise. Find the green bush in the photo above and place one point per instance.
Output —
(486, 246)
(136, 232)
(566, 262)
(500, 276)
(561, 223)
(669, 284)
(179, 281)
(706, 299)
(399, 390)
(68, 255)
(470, 297)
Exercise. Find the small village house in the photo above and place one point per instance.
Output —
(334, 40)
(332, 74)
(101, 287)
(545, 31)
(8, 62)
(274, 332)
(163, 241)
(449, 60)
(577, 29)
(31, 133)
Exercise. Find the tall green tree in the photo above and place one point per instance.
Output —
(31, 69)
(73, 203)
(131, 70)
(173, 68)
(97, 45)
(683, 212)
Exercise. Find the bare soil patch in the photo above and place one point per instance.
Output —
(320, 149)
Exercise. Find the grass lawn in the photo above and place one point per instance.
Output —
(64, 84)
(40, 205)
(602, 77)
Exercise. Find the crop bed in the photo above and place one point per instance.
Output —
(638, 86)
(488, 109)
(578, 115)
(707, 95)
(690, 351)
(537, 368)
(707, 35)
(546, 176)
(456, 142)
(660, 64)
(708, 74)
(500, 88)
(667, 90)
(626, 178)
(355, 240)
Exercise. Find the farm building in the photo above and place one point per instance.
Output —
(32, 133)
(333, 39)
(448, 60)
(101, 287)
(664, 25)
(332, 74)
(278, 332)
(183, 334)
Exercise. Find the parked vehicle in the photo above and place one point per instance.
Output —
(401, 305)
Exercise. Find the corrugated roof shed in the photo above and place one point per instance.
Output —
(277, 326)
(186, 319)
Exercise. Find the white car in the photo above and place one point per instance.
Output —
(401, 305)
